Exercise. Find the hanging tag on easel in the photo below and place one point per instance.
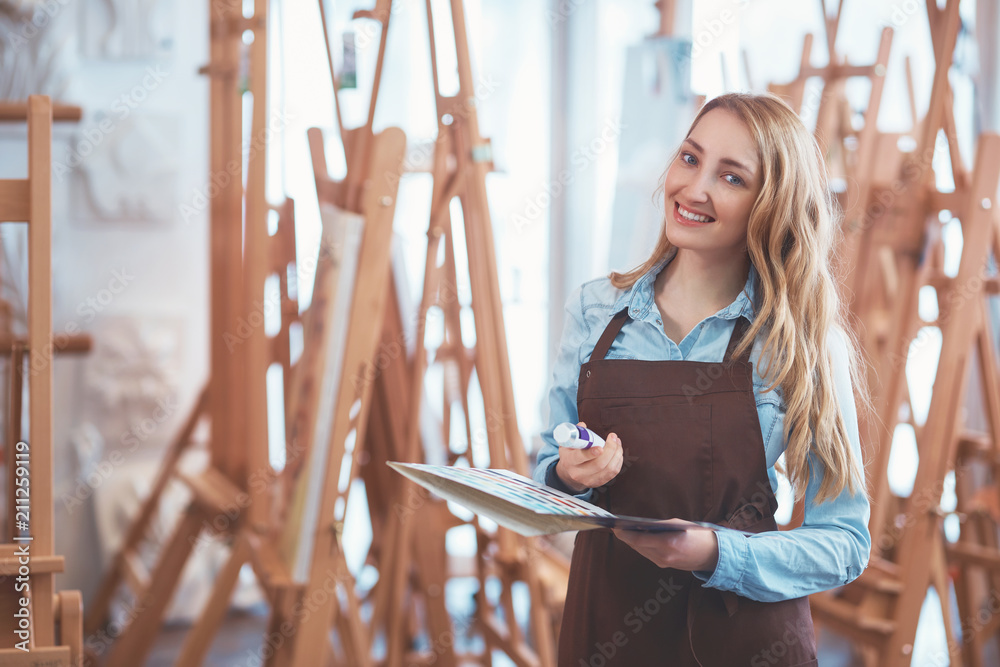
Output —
(349, 73)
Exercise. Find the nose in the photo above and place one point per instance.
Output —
(698, 188)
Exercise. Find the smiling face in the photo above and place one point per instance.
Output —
(711, 186)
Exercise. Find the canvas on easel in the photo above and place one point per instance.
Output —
(342, 232)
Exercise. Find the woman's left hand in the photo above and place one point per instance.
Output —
(694, 550)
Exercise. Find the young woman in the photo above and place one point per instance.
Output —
(700, 368)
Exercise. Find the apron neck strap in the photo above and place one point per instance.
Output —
(608, 337)
(618, 321)
(742, 324)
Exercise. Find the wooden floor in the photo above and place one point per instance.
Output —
(238, 643)
(240, 640)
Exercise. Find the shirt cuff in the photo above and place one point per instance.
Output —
(553, 480)
(734, 549)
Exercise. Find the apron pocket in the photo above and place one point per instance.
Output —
(667, 470)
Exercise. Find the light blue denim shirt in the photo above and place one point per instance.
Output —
(831, 547)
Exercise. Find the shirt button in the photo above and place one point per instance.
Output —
(588, 373)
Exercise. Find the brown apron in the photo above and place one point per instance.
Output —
(692, 449)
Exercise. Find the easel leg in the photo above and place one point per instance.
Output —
(97, 613)
(939, 569)
(429, 547)
(133, 646)
(281, 625)
(42, 592)
(71, 625)
(199, 638)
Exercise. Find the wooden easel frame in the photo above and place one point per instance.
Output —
(458, 141)
(503, 554)
(235, 400)
(880, 610)
(215, 489)
(55, 621)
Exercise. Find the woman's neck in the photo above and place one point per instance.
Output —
(693, 281)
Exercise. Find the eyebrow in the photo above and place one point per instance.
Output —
(726, 160)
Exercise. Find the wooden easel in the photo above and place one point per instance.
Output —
(224, 499)
(461, 161)
(15, 346)
(880, 610)
(852, 155)
(889, 242)
(215, 495)
(52, 630)
(212, 490)
(430, 567)
(126, 565)
(975, 557)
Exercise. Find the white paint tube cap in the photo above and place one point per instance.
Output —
(576, 437)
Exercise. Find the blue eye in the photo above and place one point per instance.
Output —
(733, 179)
(687, 158)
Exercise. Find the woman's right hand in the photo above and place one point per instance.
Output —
(582, 469)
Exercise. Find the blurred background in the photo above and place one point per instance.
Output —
(583, 101)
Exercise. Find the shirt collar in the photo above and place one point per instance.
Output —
(639, 298)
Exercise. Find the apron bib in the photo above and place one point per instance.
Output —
(692, 450)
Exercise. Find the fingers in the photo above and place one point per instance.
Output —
(591, 467)
(685, 550)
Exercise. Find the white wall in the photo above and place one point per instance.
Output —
(126, 266)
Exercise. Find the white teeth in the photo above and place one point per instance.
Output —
(692, 216)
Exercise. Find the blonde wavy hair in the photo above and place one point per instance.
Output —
(790, 240)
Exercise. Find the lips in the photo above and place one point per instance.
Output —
(688, 217)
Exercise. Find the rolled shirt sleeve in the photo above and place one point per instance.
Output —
(562, 392)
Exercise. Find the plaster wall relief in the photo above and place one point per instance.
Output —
(132, 409)
(123, 168)
(34, 49)
(131, 385)
(13, 279)
(127, 29)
